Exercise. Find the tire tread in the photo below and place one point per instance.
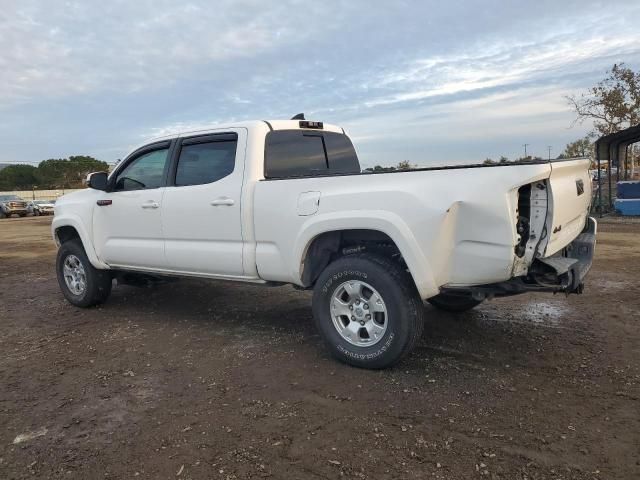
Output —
(448, 303)
(99, 285)
(409, 295)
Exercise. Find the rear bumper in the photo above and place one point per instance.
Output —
(582, 249)
(563, 272)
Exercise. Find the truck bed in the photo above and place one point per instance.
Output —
(455, 225)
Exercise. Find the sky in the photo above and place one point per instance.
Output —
(429, 82)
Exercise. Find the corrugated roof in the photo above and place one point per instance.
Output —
(612, 149)
(606, 144)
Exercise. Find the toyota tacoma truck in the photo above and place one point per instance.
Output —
(286, 202)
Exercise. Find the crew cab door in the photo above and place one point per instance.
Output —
(127, 224)
(571, 199)
(201, 214)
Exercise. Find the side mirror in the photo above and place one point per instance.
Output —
(97, 180)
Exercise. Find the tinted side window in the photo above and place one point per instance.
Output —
(342, 155)
(145, 172)
(300, 153)
(294, 153)
(202, 163)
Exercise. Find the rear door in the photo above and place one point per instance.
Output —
(201, 214)
(571, 200)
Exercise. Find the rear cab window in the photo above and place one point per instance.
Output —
(308, 153)
(206, 159)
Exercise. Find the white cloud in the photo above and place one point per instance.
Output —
(469, 130)
(504, 65)
(49, 50)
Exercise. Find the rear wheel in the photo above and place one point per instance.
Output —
(367, 310)
(454, 303)
(81, 283)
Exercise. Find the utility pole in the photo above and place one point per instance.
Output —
(549, 148)
(525, 149)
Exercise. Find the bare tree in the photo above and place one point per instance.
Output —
(404, 165)
(613, 104)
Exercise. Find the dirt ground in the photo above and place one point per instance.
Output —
(210, 380)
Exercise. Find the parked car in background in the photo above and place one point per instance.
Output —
(41, 207)
(12, 205)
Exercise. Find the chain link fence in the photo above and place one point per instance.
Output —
(40, 194)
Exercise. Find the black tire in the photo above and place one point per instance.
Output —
(2, 214)
(454, 303)
(405, 312)
(97, 282)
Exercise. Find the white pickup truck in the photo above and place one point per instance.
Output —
(286, 202)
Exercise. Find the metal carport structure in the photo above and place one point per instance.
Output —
(614, 150)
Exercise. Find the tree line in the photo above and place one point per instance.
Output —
(51, 174)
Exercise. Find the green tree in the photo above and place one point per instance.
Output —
(379, 168)
(18, 177)
(613, 104)
(582, 147)
(68, 173)
(402, 166)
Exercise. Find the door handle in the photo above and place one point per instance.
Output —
(223, 201)
(150, 204)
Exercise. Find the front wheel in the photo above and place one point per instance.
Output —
(454, 303)
(367, 310)
(81, 283)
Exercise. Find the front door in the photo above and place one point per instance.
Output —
(201, 213)
(128, 223)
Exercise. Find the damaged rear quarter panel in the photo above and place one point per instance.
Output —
(452, 226)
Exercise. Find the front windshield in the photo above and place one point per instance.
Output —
(10, 197)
